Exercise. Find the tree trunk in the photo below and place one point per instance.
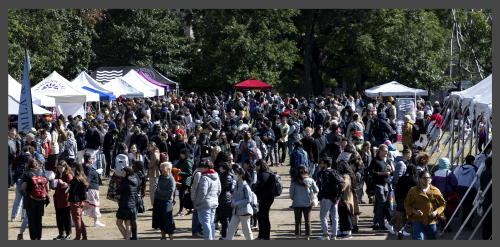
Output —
(307, 52)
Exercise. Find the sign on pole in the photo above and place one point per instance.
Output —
(404, 106)
(25, 115)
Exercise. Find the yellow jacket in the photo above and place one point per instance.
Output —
(426, 202)
(408, 132)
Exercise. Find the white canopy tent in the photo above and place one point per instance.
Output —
(120, 87)
(15, 91)
(394, 89)
(139, 82)
(14, 107)
(84, 80)
(61, 89)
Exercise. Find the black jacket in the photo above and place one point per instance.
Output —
(163, 147)
(263, 187)
(77, 191)
(226, 183)
(128, 192)
(140, 177)
(92, 139)
(330, 185)
(378, 165)
(311, 147)
(109, 142)
(278, 132)
(92, 177)
(155, 136)
(322, 143)
(175, 150)
(141, 141)
(382, 130)
(485, 178)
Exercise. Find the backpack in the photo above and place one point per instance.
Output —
(263, 149)
(21, 166)
(121, 162)
(334, 179)
(277, 184)
(218, 123)
(374, 128)
(253, 152)
(253, 202)
(80, 141)
(415, 133)
(38, 192)
(301, 158)
(206, 149)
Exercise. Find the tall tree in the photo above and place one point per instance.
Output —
(139, 37)
(233, 45)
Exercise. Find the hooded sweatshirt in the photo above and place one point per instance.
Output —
(399, 170)
(128, 192)
(393, 153)
(465, 176)
(208, 191)
(383, 130)
(71, 146)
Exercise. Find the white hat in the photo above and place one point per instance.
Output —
(407, 117)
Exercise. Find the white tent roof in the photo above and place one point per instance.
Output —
(120, 87)
(139, 82)
(14, 107)
(84, 80)
(58, 87)
(394, 89)
(475, 90)
(15, 91)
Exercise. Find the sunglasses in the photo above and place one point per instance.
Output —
(426, 178)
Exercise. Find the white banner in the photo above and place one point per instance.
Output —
(73, 109)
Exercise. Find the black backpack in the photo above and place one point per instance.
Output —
(415, 133)
(206, 149)
(277, 184)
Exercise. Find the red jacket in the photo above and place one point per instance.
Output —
(439, 120)
(61, 198)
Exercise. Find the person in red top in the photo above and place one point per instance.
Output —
(439, 124)
(175, 129)
(46, 144)
(287, 111)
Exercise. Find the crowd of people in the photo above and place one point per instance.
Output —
(215, 155)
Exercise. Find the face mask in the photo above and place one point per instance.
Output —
(194, 143)
(235, 177)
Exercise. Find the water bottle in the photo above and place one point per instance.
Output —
(392, 200)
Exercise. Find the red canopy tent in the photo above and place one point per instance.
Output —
(253, 84)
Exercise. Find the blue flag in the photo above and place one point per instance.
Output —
(25, 115)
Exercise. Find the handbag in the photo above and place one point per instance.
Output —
(187, 201)
(452, 199)
(314, 198)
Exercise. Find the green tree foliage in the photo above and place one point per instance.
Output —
(231, 46)
(140, 37)
(56, 40)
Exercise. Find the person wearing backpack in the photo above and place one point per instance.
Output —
(242, 205)
(249, 149)
(185, 164)
(77, 195)
(35, 186)
(301, 189)
(408, 131)
(330, 185)
(265, 180)
(298, 157)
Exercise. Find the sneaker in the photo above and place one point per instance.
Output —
(390, 228)
(13, 219)
(68, 237)
(324, 238)
(333, 238)
(178, 214)
(339, 233)
(238, 234)
(20, 237)
(271, 165)
(346, 236)
(406, 234)
(98, 224)
(255, 228)
(278, 165)
(147, 179)
(439, 150)
(189, 212)
(355, 229)
(59, 237)
(198, 235)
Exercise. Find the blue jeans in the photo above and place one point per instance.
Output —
(328, 205)
(419, 229)
(316, 171)
(18, 202)
(24, 224)
(290, 146)
(207, 217)
(196, 225)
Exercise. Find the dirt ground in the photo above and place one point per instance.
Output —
(282, 219)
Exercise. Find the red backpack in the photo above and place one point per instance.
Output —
(38, 192)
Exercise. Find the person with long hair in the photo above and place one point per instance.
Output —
(301, 190)
(110, 142)
(215, 152)
(136, 153)
(358, 167)
(424, 210)
(249, 166)
(62, 206)
(77, 195)
(242, 210)
(349, 203)
(54, 134)
(265, 197)
(127, 210)
(366, 157)
(91, 204)
(245, 146)
(71, 146)
(356, 124)
(185, 165)
(141, 193)
(34, 207)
